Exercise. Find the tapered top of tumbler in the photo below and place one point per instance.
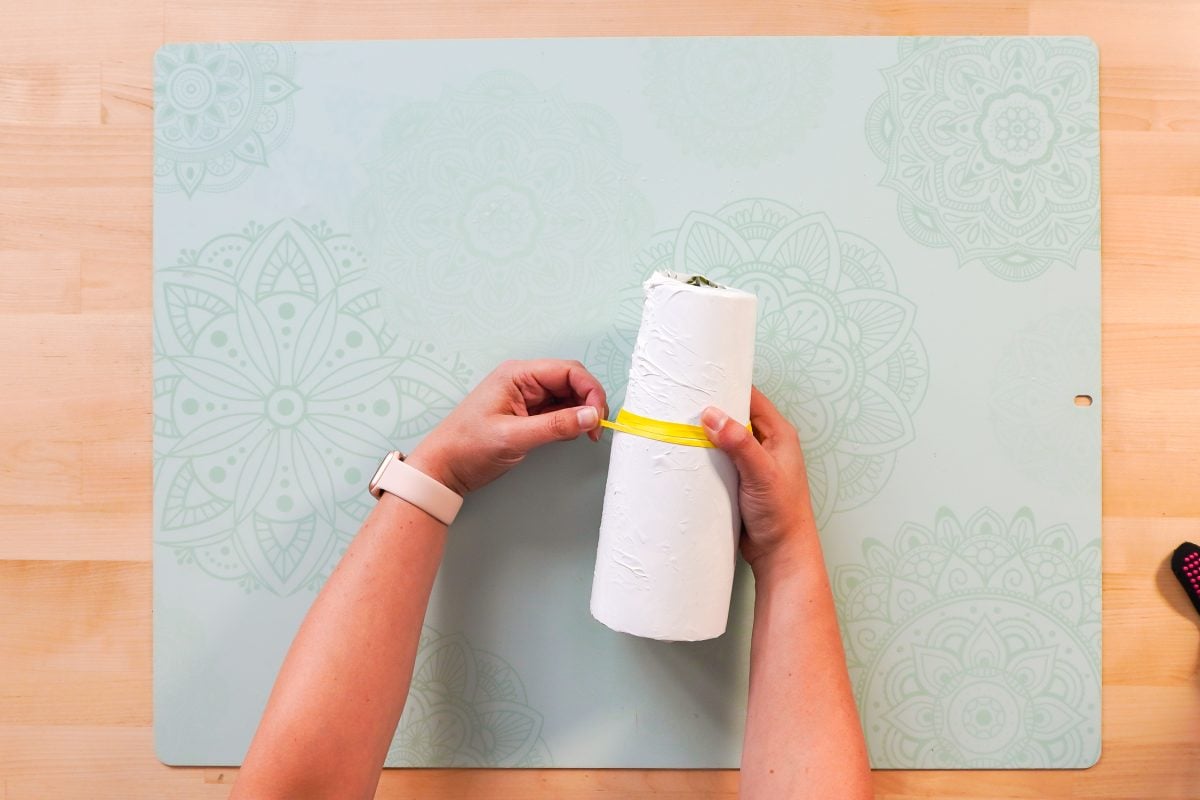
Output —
(695, 348)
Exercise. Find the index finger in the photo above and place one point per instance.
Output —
(765, 417)
(567, 380)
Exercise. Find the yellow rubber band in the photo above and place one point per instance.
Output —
(660, 430)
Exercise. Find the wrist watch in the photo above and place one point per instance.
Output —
(413, 486)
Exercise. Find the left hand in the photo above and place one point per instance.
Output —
(521, 405)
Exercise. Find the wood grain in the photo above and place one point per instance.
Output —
(59, 94)
(75, 458)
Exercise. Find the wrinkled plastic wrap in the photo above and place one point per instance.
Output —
(668, 533)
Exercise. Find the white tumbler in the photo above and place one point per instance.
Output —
(669, 530)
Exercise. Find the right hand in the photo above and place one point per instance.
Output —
(773, 492)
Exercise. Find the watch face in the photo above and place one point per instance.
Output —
(372, 487)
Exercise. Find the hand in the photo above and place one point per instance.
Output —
(773, 491)
(519, 406)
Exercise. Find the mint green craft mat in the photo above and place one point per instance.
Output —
(348, 236)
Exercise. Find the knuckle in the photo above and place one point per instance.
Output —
(786, 428)
(759, 486)
(558, 426)
(502, 371)
(737, 436)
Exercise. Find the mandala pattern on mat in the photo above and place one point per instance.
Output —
(738, 102)
(993, 146)
(975, 644)
(277, 387)
(836, 348)
(219, 109)
(466, 708)
(1053, 441)
(497, 208)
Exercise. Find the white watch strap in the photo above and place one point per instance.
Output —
(411, 485)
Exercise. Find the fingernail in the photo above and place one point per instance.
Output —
(713, 419)
(588, 417)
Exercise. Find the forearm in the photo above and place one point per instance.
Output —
(342, 687)
(803, 737)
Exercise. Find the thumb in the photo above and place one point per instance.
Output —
(554, 426)
(752, 461)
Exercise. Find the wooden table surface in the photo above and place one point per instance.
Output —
(75, 417)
